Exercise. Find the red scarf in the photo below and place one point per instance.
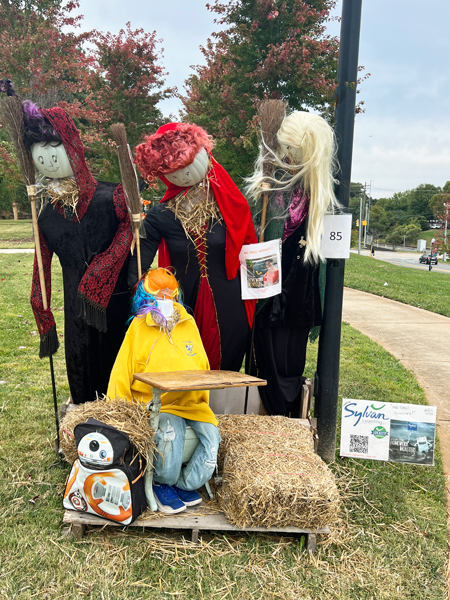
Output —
(236, 215)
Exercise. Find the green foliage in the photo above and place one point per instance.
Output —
(380, 221)
(407, 234)
(419, 198)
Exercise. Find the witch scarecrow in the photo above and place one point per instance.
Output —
(86, 224)
(199, 229)
(301, 192)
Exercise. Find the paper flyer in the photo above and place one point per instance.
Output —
(260, 266)
(388, 431)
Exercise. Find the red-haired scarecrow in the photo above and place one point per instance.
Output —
(199, 228)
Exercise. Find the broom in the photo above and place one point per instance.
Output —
(130, 184)
(11, 110)
(271, 114)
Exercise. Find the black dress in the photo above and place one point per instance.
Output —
(90, 354)
(283, 322)
(187, 259)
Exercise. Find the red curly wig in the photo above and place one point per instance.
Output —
(172, 147)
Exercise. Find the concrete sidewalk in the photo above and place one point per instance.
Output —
(419, 339)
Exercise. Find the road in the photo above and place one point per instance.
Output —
(406, 259)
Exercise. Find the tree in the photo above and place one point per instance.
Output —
(381, 221)
(127, 82)
(115, 77)
(436, 203)
(266, 49)
(41, 53)
(419, 201)
(12, 187)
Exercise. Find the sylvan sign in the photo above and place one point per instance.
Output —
(388, 431)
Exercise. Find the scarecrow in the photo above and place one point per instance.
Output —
(164, 337)
(199, 229)
(301, 192)
(86, 224)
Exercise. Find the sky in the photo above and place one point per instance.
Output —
(402, 139)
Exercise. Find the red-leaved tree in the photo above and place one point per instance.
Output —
(265, 49)
(114, 77)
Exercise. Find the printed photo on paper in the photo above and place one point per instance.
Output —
(260, 267)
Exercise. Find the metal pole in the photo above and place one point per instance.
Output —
(360, 226)
(365, 227)
(327, 381)
(445, 234)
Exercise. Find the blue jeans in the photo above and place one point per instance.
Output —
(169, 440)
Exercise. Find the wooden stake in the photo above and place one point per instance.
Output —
(31, 190)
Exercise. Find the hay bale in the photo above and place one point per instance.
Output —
(236, 429)
(271, 476)
(130, 417)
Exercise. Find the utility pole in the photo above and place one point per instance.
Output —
(327, 381)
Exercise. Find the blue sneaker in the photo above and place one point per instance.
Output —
(189, 498)
(167, 499)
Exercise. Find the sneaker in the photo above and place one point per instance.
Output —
(189, 498)
(167, 499)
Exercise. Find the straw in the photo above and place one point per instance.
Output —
(271, 476)
(129, 417)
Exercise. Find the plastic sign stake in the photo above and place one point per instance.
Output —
(337, 233)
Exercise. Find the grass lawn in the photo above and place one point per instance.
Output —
(16, 234)
(428, 290)
(389, 545)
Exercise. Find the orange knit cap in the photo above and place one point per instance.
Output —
(161, 283)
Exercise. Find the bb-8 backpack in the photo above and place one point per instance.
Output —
(107, 478)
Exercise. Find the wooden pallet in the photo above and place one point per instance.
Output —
(194, 519)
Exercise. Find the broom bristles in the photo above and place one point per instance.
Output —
(271, 114)
(129, 180)
(12, 115)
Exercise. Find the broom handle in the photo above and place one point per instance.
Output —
(266, 187)
(31, 190)
(263, 215)
(136, 225)
(138, 251)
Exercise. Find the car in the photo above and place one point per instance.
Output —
(426, 257)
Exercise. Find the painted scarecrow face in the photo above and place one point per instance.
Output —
(293, 153)
(51, 160)
(192, 173)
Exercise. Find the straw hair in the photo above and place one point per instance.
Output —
(271, 476)
(11, 110)
(127, 168)
(271, 114)
(315, 139)
(129, 417)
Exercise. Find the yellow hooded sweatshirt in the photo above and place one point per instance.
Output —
(147, 348)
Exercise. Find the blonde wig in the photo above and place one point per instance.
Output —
(306, 151)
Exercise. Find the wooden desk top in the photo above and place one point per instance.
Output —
(173, 381)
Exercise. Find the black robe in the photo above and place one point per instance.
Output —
(161, 223)
(90, 354)
(282, 327)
